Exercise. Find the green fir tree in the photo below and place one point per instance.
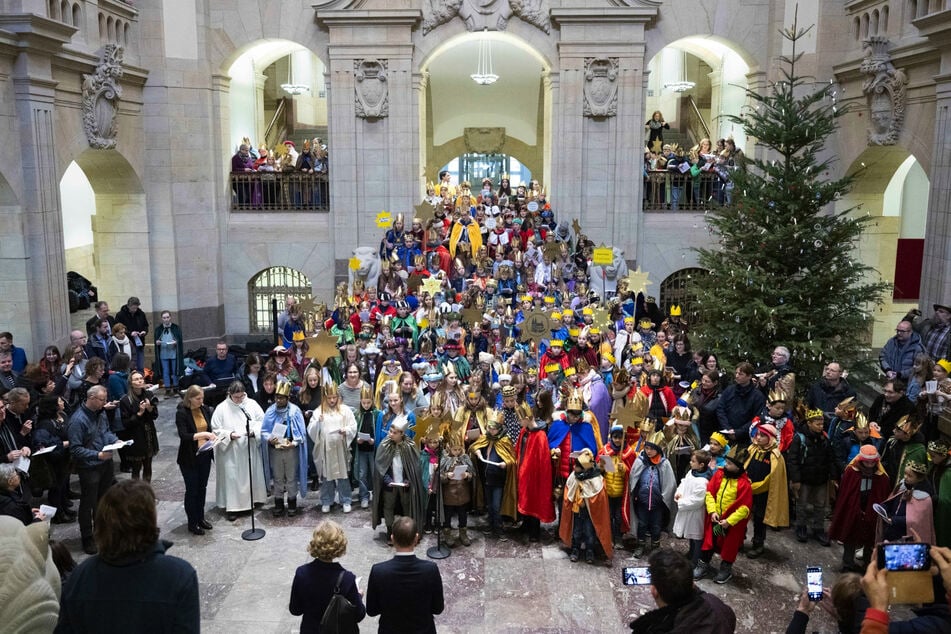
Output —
(783, 269)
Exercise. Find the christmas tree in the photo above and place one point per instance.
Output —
(783, 269)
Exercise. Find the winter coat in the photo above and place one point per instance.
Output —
(702, 613)
(691, 508)
(900, 357)
(823, 396)
(810, 459)
(737, 407)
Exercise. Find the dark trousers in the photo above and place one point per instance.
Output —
(196, 486)
(493, 503)
(759, 514)
(460, 512)
(616, 507)
(533, 526)
(582, 530)
(93, 484)
(648, 522)
(58, 494)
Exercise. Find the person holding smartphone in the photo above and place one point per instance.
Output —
(876, 587)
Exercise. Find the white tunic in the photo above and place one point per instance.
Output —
(332, 448)
(233, 492)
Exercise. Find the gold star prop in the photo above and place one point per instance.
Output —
(424, 212)
(384, 220)
(552, 250)
(426, 425)
(536, 325)
(322, 347)
(601, 317)
(432, 285)
(576, 226)
(634, 411)
(471, 316)
(308, 305)
(637, 281)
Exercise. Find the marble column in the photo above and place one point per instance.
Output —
(375, 150)
(596, 153)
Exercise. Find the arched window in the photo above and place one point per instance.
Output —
(873, 25)
(277, 283)
(673, 292)
(883, 25)
(77, 15)
(856, 28)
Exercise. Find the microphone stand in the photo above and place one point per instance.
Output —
(253, 533)
(440, 550)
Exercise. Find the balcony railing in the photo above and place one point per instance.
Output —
(279, 191)
(673, 191)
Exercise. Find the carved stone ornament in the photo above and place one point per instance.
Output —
(486, 14)
(484, 140)
(101, 93)
(372, 95)
(885, 91)
(600, 86)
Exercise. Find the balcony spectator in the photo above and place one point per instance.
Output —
(242, 163)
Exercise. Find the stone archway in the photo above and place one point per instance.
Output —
(892, 188)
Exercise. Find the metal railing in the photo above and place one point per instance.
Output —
(279, 191)
(673, 191)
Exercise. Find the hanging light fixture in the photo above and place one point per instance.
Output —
(290, 87)
(484, 75)
(683, 85)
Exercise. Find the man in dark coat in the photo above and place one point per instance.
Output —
(681, 606)
(829, 391)
(738, 405)
(137, 326)
(405, 591)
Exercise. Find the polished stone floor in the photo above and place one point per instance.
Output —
(490, 586)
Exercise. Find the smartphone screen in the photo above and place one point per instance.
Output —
(899, 557)
(814, 582)
(636, 576)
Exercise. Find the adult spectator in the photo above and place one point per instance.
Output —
(50, 431)
(877, 589)
(405, 591)
(933, 331)
(898, 354)
(223, 367)
(102, 312)
(12, 502)
(829, 391)
(780, 374)
(137, 326)
(18, 354)
(315, 583)
(99, 340)
(8, 378)
(139, 412)
(681, 605)
(193, 422)
(95, 371)
(19, 419)
(88, 432)
(738, 405)
(76, 372)
(889, 407)
(242, 163)
(132, 585)
(413, 397)
(169, 349)
(705, 398)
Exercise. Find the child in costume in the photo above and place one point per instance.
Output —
(652, 484)
(616, 478)
(428, 466)
(585, 519)
(864, 483)
(729, 499)
(691, 502)
(767, 472)
(811, 464)
(910, 508)
(456, 477)
(719, 448)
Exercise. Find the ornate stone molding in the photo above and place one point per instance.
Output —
(101, 93)
(600, 86)
(885, 92)
(371, 92)
(486, 14)
(484, 140)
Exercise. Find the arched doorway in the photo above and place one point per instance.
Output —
(891, 187)
(485, 127)
(674, 292)
(106, 226)
(276, 282)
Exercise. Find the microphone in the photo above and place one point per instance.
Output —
(245, 412)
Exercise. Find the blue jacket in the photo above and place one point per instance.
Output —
(899, 358)
(736, 409)
(88, 433)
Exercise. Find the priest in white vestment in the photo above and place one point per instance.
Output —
(229, 423)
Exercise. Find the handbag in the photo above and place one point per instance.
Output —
(340, 617)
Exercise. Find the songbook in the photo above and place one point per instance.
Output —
(48, 511)
(279, 430)
(119, 444)
(362, 436)
(608, 463)
(22, 464)
(208, 445)
(459, 472)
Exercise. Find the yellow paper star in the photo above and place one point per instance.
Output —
(637, 280)
(384, 220)
(424, 212)
(601, 317)
(322, 347)
(426, 425)
(432, 285)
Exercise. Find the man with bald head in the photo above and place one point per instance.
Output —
(898, 354)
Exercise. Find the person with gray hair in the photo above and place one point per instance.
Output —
(11, 500)
(779, 375)
(88, 432)
(14, 431)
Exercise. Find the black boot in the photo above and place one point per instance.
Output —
(278, 510)
(292, 506)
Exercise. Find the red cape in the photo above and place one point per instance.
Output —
(851, 523)
(728, 545)
(535, 482)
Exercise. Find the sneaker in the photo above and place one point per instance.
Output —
(364, 504)
(589, 556)
(347, 508)
(701, 570)
(574, 555)
(325, 508)
(756, 551)
(802, 536)
(725, 574)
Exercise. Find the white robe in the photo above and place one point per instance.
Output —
(233, 492)
(331, 448)
(691, 507)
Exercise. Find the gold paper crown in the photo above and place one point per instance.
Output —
(330, 389)
(908, 425)
(575, 401)
(776, 395)
(681, 413)
(813, 414)
(646, 426)
(918, 467)
(861, 421)
(676, 311)
(641, 406)
(366, 392)
(283, 389)
(848, 406)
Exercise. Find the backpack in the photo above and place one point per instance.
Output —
(340, 615)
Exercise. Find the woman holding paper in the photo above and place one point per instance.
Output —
(231, 422)
(139, 410)
(333, 429)
(193, 421)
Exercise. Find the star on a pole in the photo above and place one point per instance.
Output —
(424, 212)
(432, 285)
(322, 347)
(637, 280)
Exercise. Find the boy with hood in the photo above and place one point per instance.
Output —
(767, 472)
(864, 483)
(728, 500)
(585, 518)
(652, 484)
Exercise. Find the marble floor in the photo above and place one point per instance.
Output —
(489, 586)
